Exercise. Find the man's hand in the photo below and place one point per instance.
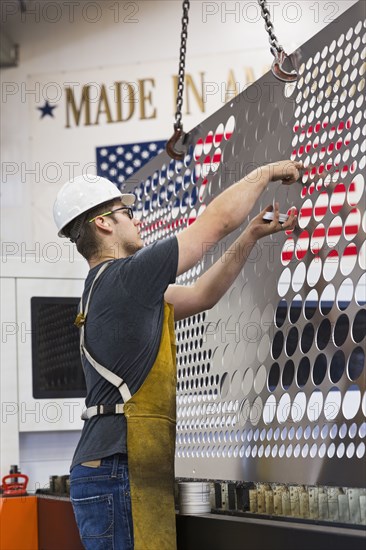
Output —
(259, 228)
(286, 170)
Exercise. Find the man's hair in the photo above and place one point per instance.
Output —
(84, 234)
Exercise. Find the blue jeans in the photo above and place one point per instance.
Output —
(102, 504)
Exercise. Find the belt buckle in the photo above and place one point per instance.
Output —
(106, 409)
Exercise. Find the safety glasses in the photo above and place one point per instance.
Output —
(127, 208)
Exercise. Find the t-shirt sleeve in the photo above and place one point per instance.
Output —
(151, 270)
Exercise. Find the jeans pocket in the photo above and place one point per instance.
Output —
(94, 516)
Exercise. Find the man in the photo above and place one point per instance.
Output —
(126, 452)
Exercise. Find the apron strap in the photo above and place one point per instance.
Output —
(113, 378)
(105, 410)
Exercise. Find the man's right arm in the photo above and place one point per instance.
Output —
(229, 210)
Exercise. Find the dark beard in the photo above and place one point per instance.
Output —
(132, 248)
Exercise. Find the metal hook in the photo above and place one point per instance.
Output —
(170, 146)
(279, 71)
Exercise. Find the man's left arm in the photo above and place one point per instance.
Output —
(212, 285)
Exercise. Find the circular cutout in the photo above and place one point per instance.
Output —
(317, 239)
(356, 190)
(256, 411)
(345, 293)
(334, 232)
(315, 405)
(298, 407)
(360, 292)
(263, 348)
(327, 299)
(356, 363)
(302, 245)
(359, 326)
(287, 253)
(303, 372)
(341, 330)
(281, 313)
(224, 385)
(198, 149)
(360, 452)
(321, 206)
(314, 271)
(362, 253)
(277, 345)
(284, 282)
(311, 304)
(219, 134)
(292, 341)
(235, 383)
(273, 377)
(284, 407)
(332, 404)
(352, 224)
(319, 369)
(295, 310)
(229, 128)
(337, 366)
(288, 375)
(323, 334)
(307, 338)
(338, 198)
(269, 410)
(247, 381)
(306, 211)
(299, 277)
(331, 265)
(351, 402)
(208, 143)
(260, 379)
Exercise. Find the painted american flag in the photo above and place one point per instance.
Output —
(118, 163)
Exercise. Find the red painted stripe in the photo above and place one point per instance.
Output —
(306, 212)
(319, 232)
(351, 229)
(287, 256)
(350, 251)
(335, 231)
(320, 210)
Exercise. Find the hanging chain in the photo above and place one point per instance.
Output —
(275, 46)
(178, 127)
(182, 65)
(277, 50)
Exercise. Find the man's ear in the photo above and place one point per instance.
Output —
(103, 223)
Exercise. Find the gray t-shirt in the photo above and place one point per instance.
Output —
(122, 332)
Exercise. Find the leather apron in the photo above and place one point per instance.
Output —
(151, 422)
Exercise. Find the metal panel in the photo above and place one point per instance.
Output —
(271, 382)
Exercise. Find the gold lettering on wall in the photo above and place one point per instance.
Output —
(189, 84)
(103, 106)
(146, 97)
(116, 102)
(249, 75)
(76, 112)
(125, 95)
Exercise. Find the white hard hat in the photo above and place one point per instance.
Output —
(83, 193)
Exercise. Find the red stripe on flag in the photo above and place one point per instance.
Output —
(351, 229)
(335, 231)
